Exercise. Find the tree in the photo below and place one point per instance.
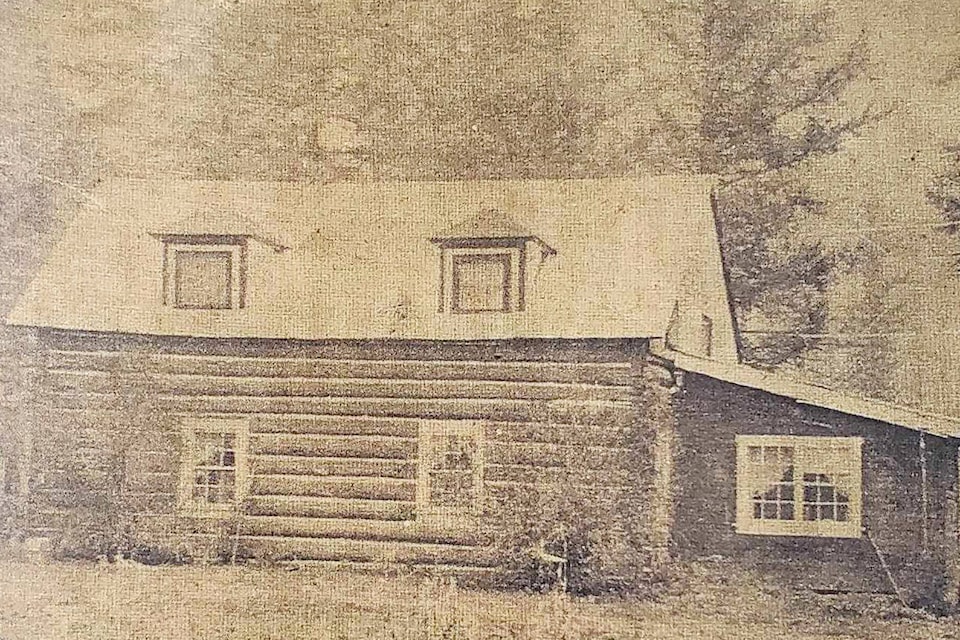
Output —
(40, 154)
(477, 89)
(442, 89)
(768, 83)
(943, 193)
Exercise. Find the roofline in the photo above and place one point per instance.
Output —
(472, 241)
(164, 236)
(805, 393)
(725, 271)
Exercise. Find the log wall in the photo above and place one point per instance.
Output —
(333, 431)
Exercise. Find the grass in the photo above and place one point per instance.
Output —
(84, 600)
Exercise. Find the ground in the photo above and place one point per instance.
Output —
(53, 600)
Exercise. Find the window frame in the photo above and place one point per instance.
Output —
(235, 246)
(511, 251)
(850, 448)
(191, 428)
(428, 430)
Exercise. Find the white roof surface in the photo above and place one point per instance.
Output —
(355, 260)
(818, 396)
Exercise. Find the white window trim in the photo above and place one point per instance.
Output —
(515, 291)
(851, 447)
(190, 427)
(237, 275)
(434, 428)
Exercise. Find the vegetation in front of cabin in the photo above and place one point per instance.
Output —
(554, 474)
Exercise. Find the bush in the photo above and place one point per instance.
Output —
(603, 542)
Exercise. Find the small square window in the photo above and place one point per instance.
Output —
(203, 279)
(201, 272)
(483, 278)
(799, 486)
(481, 283)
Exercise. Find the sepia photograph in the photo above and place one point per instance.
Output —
(479, 319)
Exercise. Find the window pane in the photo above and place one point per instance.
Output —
(480, 282)
(203, 279)
(450, 470)
(221, 490)
(209, 449)
(451, 489)
(822, 499)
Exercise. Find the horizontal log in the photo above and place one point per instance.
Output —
(574, 456)
(328, 507)
(520, 474)
(613, 414)
(559, 433)
(626, 500)
(315, 445)
(180, 384)
(335, 487)
(336, 425)
(612, 373)
(153, 483)
(269, 464)
(139, 501)
(305, 527)
(153, 462)
(289, 547)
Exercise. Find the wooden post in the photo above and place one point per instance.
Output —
(924, 497)
(664, 443)
(952, 538)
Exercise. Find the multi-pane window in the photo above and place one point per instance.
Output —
(799, 486)
(450, 467)
(213, 471)
(215, 468)
(204, 272)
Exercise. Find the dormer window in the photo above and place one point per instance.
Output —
(483, 265)
(483, 278)
(204, 272)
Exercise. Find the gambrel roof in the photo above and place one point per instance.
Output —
(355, 260)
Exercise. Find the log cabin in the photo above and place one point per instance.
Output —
(381, 372)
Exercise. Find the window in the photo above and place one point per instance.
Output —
(481, 282)
(450, 467)
(204, 272)
(799, 486)
(213, 464)
(483, 279)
